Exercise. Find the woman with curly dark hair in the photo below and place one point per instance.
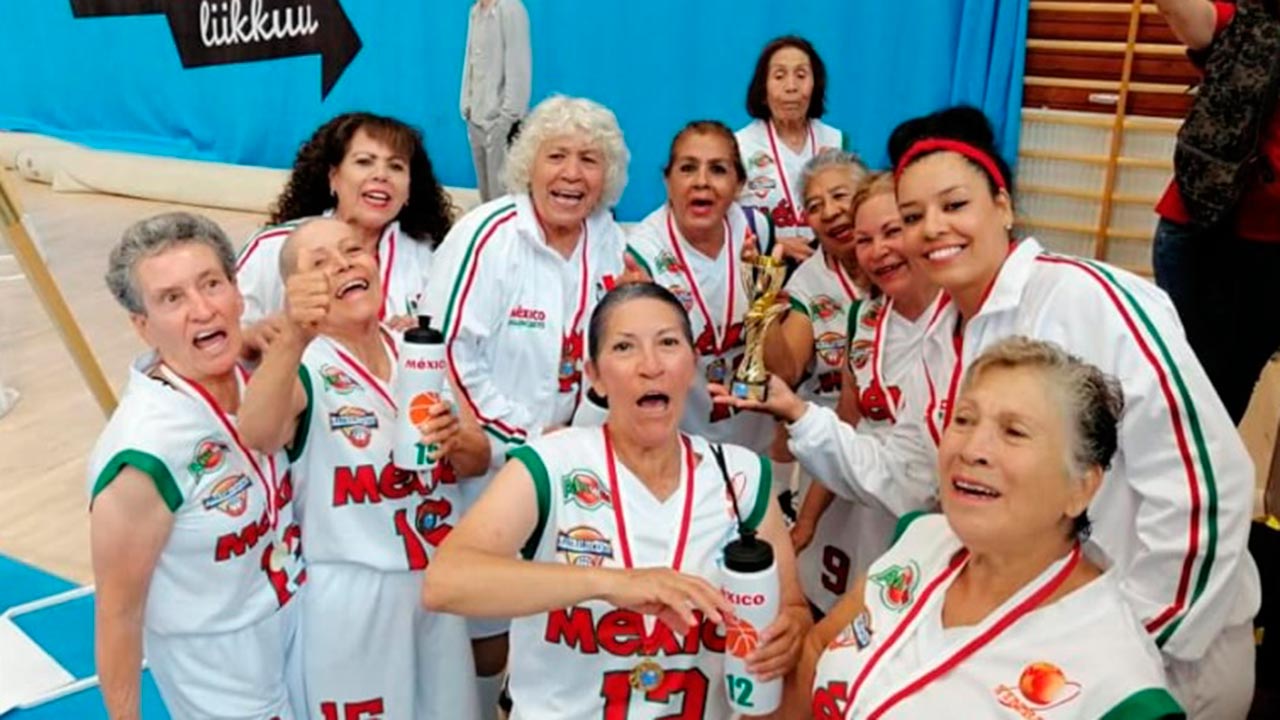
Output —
(373, 173)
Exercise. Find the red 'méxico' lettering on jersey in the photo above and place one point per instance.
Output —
(623, 633)
(362, 484)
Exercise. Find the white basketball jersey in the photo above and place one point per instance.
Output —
(826, 296)
(1082, 656)
(220, 569)
(356, 506)
(883, 348)
(712, 292)
(403, 263)
(773, 172)
(594, 660)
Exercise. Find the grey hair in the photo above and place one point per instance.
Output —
(150, 237)
(1094, 401)
(831, 158)
(560, 115)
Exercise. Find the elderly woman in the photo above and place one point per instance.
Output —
(622, 530)
(856, 220)
(998, 606)
(787, 96)
(373, 173)
(515, 282)
(195, 551)
(1174, 512)
(691, 246)
(323, 390)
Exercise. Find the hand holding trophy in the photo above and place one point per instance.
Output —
(762, 276)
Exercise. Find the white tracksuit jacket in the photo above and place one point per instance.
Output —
(504, 300)
(1173, 511)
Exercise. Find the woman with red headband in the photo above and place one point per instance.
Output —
(1173, 515)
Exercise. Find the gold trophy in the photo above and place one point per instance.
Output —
(762, 277)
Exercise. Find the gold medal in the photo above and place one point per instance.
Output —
(647, 675)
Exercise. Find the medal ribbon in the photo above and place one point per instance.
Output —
(850, 289)
(877, 352)
(682, 538)
(379, 387)
(796, 213)
(992, 631)
(197, 392)
(568, 337)
(719, 334)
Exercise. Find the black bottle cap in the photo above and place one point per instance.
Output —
(424, 334)
(748, 554)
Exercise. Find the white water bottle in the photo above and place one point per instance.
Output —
(749, 581)
(419, 379)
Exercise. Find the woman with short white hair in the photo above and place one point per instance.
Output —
(515, 282)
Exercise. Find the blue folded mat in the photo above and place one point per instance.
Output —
(65, 632)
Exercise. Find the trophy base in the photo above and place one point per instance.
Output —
(744, 390)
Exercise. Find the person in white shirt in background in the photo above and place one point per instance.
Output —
(517, 279)
(496, 78)
(786, 96)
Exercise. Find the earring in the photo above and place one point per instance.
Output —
(1008, 228)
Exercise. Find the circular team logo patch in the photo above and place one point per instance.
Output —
(683, 295)
(584, 546)
(830, 348)
(897, 585)
(871, 315)
(337, 380)
(824, 308)
(667, 263)
(208, 456)
(859, 353)
(229, 496)
(1041, 686)
(761, 185)
(584, 489)
(356, 424)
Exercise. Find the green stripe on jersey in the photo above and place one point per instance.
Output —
(150, 465)
(798, 305)
(300, 433)
(528, 457)
(763, 493)
(1149, 704)
(1202, 450)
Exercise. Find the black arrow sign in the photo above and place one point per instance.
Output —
(220, 32)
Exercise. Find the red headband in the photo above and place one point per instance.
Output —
(925, 145)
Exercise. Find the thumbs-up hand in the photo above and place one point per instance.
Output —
(307, 295)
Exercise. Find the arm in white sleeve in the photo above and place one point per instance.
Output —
(1178, 451)
(517, 61)
(465, 93)
(469, 316)
(894, 468)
